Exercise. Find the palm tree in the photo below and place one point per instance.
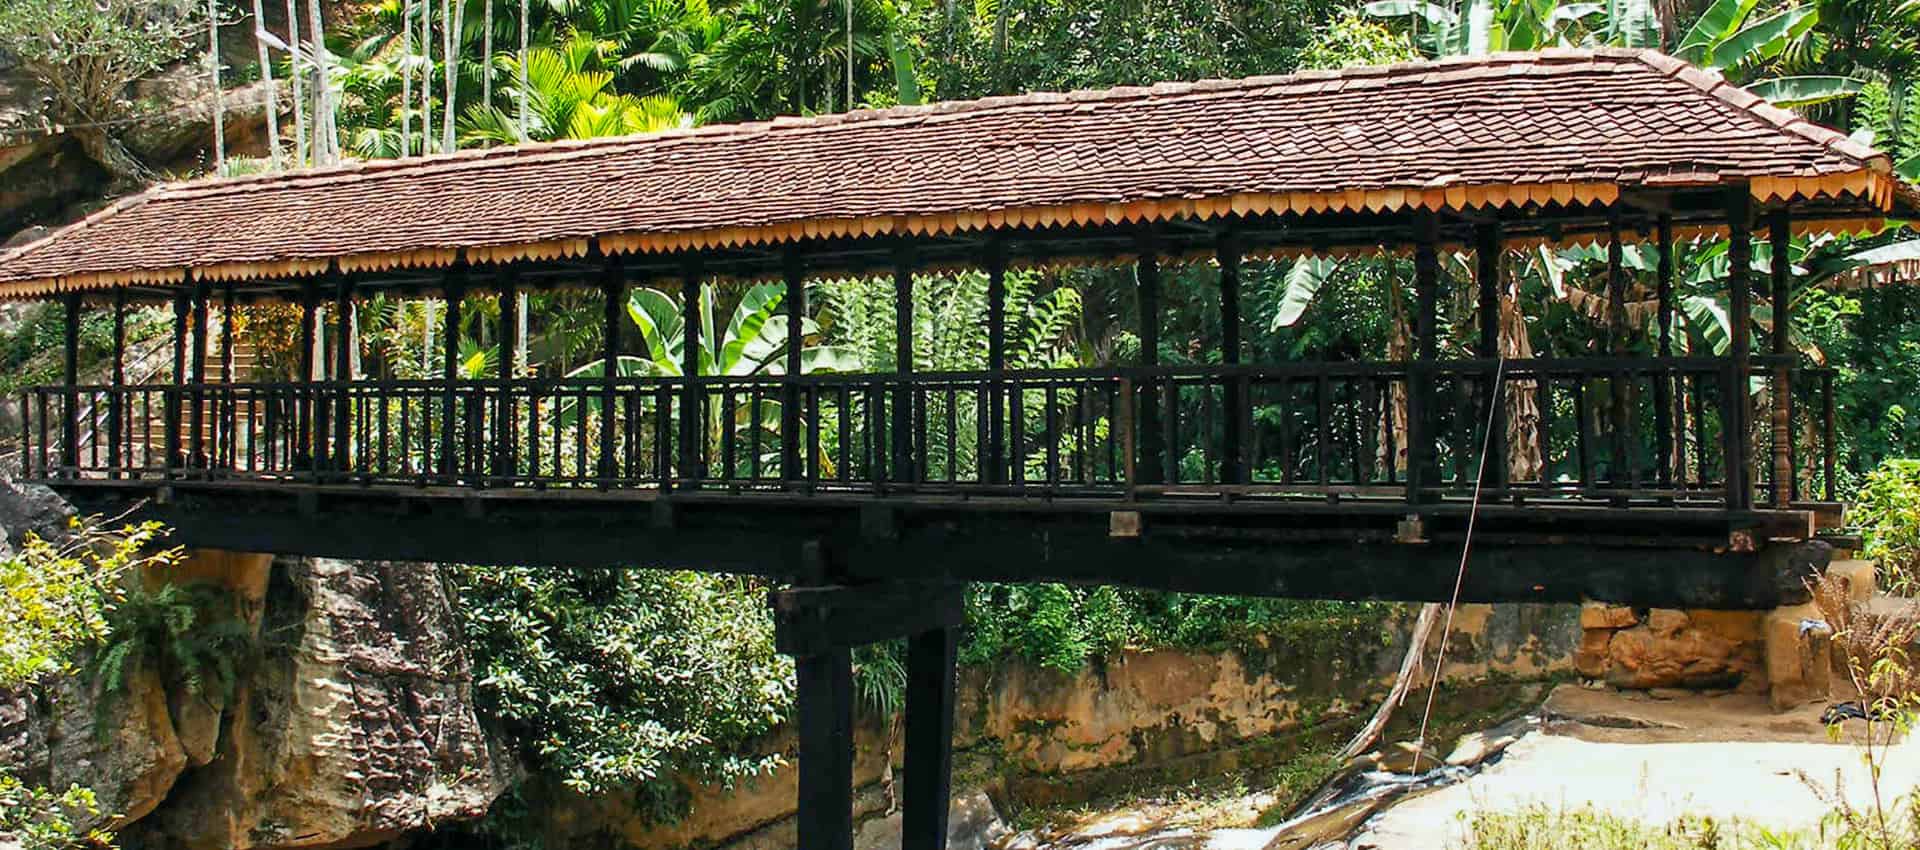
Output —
(569, 95)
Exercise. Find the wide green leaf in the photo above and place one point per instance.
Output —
(1718, 22)
(1762, 39)
(1303, 282)
(905, 81)
(1806, 90)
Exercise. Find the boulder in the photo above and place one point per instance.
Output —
(1799, 651)
(972, 824)
(1599, 615)
(1641, 658)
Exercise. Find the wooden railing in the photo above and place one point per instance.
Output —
(1613, 429)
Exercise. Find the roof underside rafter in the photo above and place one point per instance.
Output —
(1315, 162)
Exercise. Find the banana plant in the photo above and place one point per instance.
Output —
(1733, 36)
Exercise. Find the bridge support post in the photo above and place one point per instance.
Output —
(994, 459)
(691, 393)
(905, 465)
(1422, 466)
(1233, 390)
(70, 402)
(343, 345)
(303, 407)
(506, 420)
(1780, 411)
(226, 439)
(1736, 404)
(1618, 471)
(456, 291)
(1489, 247)
(1146, 273)
(119, 402)
(792, 442)
(819, 626)
(198, 415)
(1663, 390)
(613, 289)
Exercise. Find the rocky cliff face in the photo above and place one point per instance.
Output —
(353, 724)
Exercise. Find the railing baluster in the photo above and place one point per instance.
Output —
(1543, 387)
(1170, 431)
(1323, 415)
(1051, 423)
(1581, 431)
(1828, 450)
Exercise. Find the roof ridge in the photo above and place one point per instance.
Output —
(567, 148)
(1715, 84)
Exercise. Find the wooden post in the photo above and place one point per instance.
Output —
(1780, 233)
(176, 398)
(824, 705)
(1146, 274)
(1663, 387)
(303, 410)
(691, 449)
(927, 783)
(70, 370)
(1232, 460)
(506, 420)
(455, 291)
(1617, 471)
(1736, 407)
(613, 292)
(995, 459)
(1422, 468)
(202, 292)
(119, 402)
(226, 442)
(343, 343)
(1489, 248)
(904, 468)
(792, 442)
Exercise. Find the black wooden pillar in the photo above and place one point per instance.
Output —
(1146, 274)
(927, 785)
(824, 707)
(202, 293)
(226, 440)
(119, 403)
(176, 398)
(792, 440)
(303, 409)
(1234, 391)
(343, 346)
(1780, 411)
(1663, 387)
(455, 291)
(613, 292)
(1422, 466)
(994, 461)
(905, 469)
(70, 371)
(1489, 250)
(506, 419)
(1736, 407)
(1617, 471)
(691, 393)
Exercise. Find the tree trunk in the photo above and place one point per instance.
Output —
(450, 31)
(522, 62)
(273, 93)
(299, 89)
(126, 169)
(406, 79)
(326, 140)
(486, 53)
(219, 96)
(1411, 667)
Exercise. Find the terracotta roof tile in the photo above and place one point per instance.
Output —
(1561, 116)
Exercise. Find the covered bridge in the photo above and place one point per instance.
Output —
(877, 493)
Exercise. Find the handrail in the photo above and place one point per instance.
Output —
(1603, 428)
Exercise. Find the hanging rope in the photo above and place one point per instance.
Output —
(1466, 549)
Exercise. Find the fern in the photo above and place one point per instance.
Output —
(184, 632)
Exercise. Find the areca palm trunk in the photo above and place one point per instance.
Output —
(299, 93)
(426, 77)
(219, 97)
(406, 78)
(325, 141)
(523, 79)
(450, 30)
(486, 52)
(273, 93)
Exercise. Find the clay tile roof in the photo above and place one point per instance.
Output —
(1404, 135)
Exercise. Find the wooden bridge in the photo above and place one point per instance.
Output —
(873, 497)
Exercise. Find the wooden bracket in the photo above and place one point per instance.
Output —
(1123, 525)
(812, 621)
(1411, 529)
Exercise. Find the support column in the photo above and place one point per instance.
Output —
(506, 419)
(455, 292)
(1736, 404)
(202, 293)
(613, 292)
(793, 443)
(927, 786)
(1617, 472)
(1233, 392)
(119, 402)
(303, 409)
(905, 468)
(824, 708)
(226, 440)
(995, 460)
(176, 396)
(1146, 273)
(70, 371)
(1422, 469)
(1663, 387)
(1489, 250)
(691, 393)
(343, 345)
(1780, 233)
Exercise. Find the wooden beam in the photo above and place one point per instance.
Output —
(343, 345)
(309, 329)
(812, 620)
(793, 443)
(1232, 460)
(1736, 402)
(1489, 250)
(1617, 470)
(1422, 464)
(1780, 410)
(927, 783)
(824, 715)
(1146, 273)
(506, 418)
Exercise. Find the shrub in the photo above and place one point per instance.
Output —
(1887, 511)
(57, 597)
(37, 819)
(185, 631)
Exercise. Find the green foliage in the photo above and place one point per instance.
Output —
(613, 681)
(186, 632)
(32, 351)
(58, 597)
(1064, 627)
(33, 818)
(1887, 511)
(1539, 827)
(1353, 41)
(86, 54)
